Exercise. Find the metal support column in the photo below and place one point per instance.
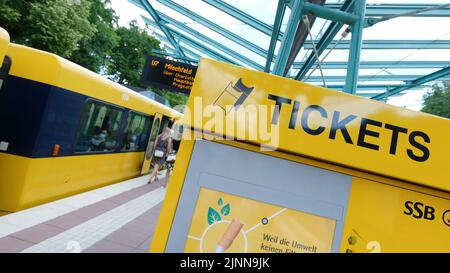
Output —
(330, 14)
(355, 48)
(149, 8)
(275, 33)
(302, 34)
(288, 37)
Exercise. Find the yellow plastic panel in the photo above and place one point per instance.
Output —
(323, 124)
(387, 218)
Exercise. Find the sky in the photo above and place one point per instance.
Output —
(398, 29)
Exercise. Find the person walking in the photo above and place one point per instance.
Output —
(170, 159)
(163, 148)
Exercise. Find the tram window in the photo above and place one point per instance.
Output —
(99, 128)
(136, 132)
(177, 131)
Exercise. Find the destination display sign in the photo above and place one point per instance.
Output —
(169, 75)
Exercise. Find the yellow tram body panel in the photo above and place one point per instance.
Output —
(29, 182)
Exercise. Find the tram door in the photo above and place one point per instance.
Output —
(151, 143)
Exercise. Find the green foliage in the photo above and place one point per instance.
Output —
(52, 25)
(128, 58)
(85, 32)
(173, 97)
(437, 102)
(8, 13)
(94, 51)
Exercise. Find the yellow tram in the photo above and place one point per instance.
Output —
(66, 129)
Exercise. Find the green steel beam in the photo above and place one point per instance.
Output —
(196, 45)
(355, 47)
(394, 9)
(381, 64)
(342, 65)
(191, 54)
(149, 8)
(242, 16)
(208, 51)
(377, 78)
(317, 79)
(281, 8)
(334, 65)
(136, 3)
(369, 94)
(288, 37)
(363, 65)
(366, 87)
(422, 80)
(187, 51)
(174, 55)
(323, 43)
(207, 40)
(215, 27)
(330, 14)
(202, 48)
(301, 35)
(375, 20)
(389, 44)
(381, 10)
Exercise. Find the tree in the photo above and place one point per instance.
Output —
(174, 98)
(437, 102)
(94, 51)
(9, 13)
(85, 32)
(128, 58)
(51, 25)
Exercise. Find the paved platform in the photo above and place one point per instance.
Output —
(117, 218)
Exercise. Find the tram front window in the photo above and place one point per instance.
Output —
(99, 128)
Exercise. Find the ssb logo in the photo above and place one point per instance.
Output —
(233, 95)
(419, 210)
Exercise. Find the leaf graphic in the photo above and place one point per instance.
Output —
(220, 202)
(213, 216)
(225, 210)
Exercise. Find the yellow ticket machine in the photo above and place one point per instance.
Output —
(269, 164)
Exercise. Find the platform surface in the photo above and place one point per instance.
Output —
(117, 218)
